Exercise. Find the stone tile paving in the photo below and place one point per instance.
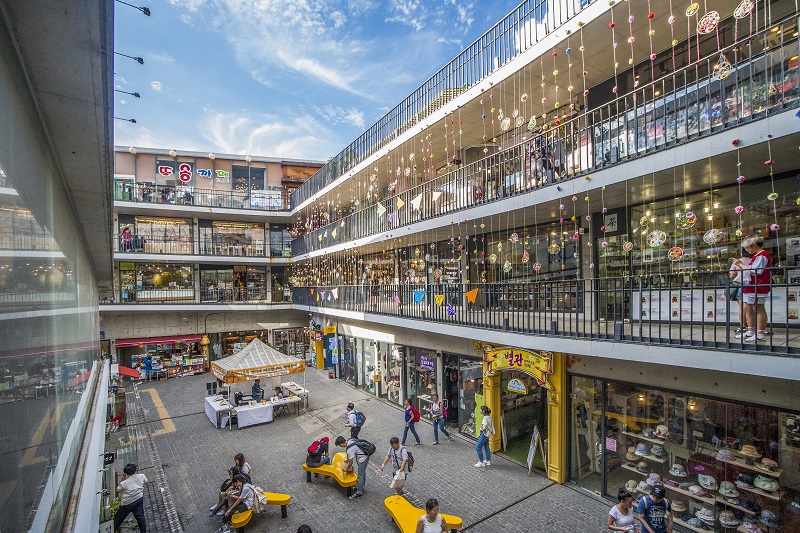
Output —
(195, 458)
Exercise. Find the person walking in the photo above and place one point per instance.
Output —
(431, 521)
(412, 417)
(655, 511)
(398, 455)
(482, 446)
(131, 498)
(757, 288)
(620, 516)
(361, 458)
(438, 415)
(355, 420)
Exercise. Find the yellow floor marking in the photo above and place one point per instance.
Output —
(30, 457)
(168, 425)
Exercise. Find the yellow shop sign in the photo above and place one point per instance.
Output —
(537, 364)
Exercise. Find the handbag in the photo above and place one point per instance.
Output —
(398, 481)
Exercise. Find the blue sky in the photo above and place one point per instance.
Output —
(292, 78)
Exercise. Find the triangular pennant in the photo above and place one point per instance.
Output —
(396, 299)
(419, 295)
(471, 295)
(336, 293)
(333, 233)
(417, 201)
(318, 296)
(436, 195)
(439, 299)
(322, 294)
(400, 203)
(451, 310)
(381, 210)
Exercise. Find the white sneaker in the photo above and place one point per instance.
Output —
(479, 464)
(212, 508)
(487, 463)
(753, 337)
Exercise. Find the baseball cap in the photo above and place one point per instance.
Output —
(659, 491)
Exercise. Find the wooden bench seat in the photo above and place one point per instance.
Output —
(335, 470)
(239, 520)
(406, 516)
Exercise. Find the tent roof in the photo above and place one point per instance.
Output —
(254, 361)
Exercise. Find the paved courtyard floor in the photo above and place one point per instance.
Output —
(194, 456)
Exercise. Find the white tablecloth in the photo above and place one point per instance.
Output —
(276, 404)
(215, 410)
(257, 414)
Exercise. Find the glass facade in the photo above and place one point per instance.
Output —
(722, 460)
(231, 283)
(421, 378)
(154, 282)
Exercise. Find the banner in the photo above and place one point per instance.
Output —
(419, 296)
(471, 295)
(439, 299)
(536, 364)
(381, 210)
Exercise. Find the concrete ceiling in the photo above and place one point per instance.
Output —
(66, 50)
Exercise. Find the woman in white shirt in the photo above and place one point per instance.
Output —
(431, 521)
(620, 517)
(482, 447)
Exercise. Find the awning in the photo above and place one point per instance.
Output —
(255, 361)
(80, 378)
(127, 371)
(171, 339)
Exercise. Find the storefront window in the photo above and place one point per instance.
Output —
(233, 341)
(232, 283)
(294, 342)
(157, 235)
(367, 361)
(347, 361)
(421, 379)
(462, 380)
(153, 282)
(280, 242)
(238, 238)
(394, 361)
(724, 462)
(522, 407)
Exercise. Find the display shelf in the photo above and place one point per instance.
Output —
(756, 490)
(683, 524)
(642, 437)
(704, 499)
(743, 464)
(741, 528)
(626, 466)
(735, 506)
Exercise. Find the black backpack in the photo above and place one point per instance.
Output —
(364, 445)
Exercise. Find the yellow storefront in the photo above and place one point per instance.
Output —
(525, 391)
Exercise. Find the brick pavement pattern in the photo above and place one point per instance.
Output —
(196, 456)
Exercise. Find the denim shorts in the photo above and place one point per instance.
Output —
(734, 292)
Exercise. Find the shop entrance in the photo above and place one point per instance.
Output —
(523, 405)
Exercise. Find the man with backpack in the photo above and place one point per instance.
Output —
(355, 420)
(318, 453)
(655, 511)
(358, 450)
(402, 462)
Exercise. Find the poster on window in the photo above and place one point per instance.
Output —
(709, 305)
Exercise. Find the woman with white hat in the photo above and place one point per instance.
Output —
(620, 517)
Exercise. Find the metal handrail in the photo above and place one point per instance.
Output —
(191, 196)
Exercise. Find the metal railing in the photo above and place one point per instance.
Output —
(219, 247)
(678, 108)
(210, 295)
(28, 241)
(191, 196)
(664, 310)
(526, 25)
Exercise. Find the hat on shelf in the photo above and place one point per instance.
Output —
(707, 482)
(694, 522)
(794, 506)
(706, 515)
(643, 467)
(648, 432)
(678, 506)
(644, 487)
(732, 501)
(744, 480)
(766, 483)
(728, 519)
(630, 485)
(728, 489)
(751, 527)
(653, 479)
(677, 470)
(767, 465)
(697, 490)
(768, 518)
(631, 455)
(658, 450)
(748, 450)
(661, 432)
(750, 505)
(642, 449)
(670, 483)
(726, 454)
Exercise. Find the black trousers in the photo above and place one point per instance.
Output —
(137, 508)
(354, 430)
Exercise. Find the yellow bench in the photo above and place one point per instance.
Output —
(239, 520)
(406, 516)
(335, 470)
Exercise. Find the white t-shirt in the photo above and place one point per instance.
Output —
(436, 409)
(247, 494)
(432, 527)
(486, 426)
(131, 489)
(354, 452)
(621, 520)
(396, 458)
(351, 418)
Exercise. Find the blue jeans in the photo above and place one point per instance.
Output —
(414, 431)
(362, 475)
(437, 423)
(483, 447)
(137, 508)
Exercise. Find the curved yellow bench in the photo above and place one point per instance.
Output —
(406, 516)
(239, 520)
(335, 470)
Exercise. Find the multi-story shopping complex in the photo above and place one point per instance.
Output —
(546, 226)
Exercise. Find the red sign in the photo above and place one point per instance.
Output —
(165, 170)
(185, 172)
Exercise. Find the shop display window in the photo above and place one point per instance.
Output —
(158, 361)
(521, 408)
(366, 363)
(394, 368)
(421, 379)
(153, 282)
(722, 463)
(294, 342)
(469, 376)
(157, 236)
(236, 238)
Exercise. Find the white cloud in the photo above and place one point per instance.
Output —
(123, 101)
(338, 115)
(156, 86)
(161, 57)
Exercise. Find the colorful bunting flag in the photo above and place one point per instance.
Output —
(471, 295)
(400, 203)
(451, 310)
(381, 210)
(436, 195)
(417, 201)
(396, 299)
(439, 299)
(419, 295)
(336, 293)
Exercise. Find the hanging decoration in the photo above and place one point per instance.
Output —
(419, 295)
(674, 43)
(526, 256)
(712, 236)
(613, 25)
(675, 253)
(708, 23)
(507, 267)
(582, 49)
(471, 295)
(631, 40)
(743, 9)
(773, 197)
(438, 299)
(656, 238)
(451, 311)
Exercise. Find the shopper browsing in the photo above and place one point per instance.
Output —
(482, 446)
(318, 453)
(738, 265)
(438, 415)
(655, 511)
(131, 498)
(620, 517)
(358, 452)
(757, 288)
(355, 420)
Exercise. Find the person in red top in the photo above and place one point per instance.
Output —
(756, 289)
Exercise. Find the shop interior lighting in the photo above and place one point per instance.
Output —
(688, 206)
(137, 59)
(131, 120)
(716, 205)
(144, 10)
(135, 95)
(706, 209)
